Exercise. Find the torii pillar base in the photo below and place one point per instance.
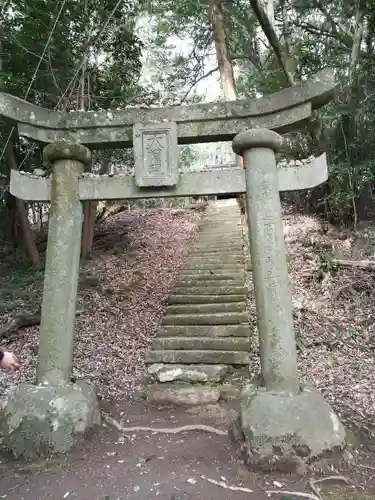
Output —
(282, 424)
(44, 421)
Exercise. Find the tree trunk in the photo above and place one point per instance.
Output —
(266, 24)
(89, 211)
(27, 234)
(224, 62)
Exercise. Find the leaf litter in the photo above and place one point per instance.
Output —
(122, 295)
(333, 309)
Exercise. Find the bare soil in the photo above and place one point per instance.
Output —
(142, 466)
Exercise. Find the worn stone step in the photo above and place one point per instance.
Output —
(228, 318)
(223, 238)
(193, 374)
(193, 282)
(207, 270)
(182, 395)
(228, 234)
(201, 343)
(240, 330)
(206, 308)
(216, 260)
(205, 299)
(237, 273)
(212, 265)
(195, 357)
(219, 221)
(210, 290)
(212, 275)
(215, 253)
(218, 245)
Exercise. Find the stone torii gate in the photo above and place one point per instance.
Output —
(46, 417)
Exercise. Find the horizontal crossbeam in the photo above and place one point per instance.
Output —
(208, 122)
(204, 183)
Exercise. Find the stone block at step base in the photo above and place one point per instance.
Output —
(196, 357)
(283, 431)
(205, 331)
(210, 290)
(188, 373)
(205, 299)
(201, 343)
(206, 308)
(42, 421)
(182, 395)
(206, 319)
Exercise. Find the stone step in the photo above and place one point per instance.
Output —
(193, 374)
(220, 220)
(221, 267)
(240, 330)
(204, 299)
(219, 245)
(223, 238)
(225, 232)
(193, 282)
(216, 260)
(182, 395)
(206, 308)
(203, 274)
(196, 357)
(208, 266)
(201, 344)
(223, 241)
(206, 319)
(215, 253)
(210, 290)
(228, 232)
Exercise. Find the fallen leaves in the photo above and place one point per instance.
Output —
(136, 262)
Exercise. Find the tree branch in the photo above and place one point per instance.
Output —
(206, 75)
(273, 39)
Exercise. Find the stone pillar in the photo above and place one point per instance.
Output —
(47, 418)
(282, 424)
(62, 262)
(272, 295)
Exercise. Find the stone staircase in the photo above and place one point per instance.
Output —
(205, 332)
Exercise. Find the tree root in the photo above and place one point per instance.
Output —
(185, 428)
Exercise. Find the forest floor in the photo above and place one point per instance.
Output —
(122, 295)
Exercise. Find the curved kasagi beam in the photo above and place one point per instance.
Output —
(203, 183)
(282, 112)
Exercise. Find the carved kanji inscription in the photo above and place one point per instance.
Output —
(156, 154)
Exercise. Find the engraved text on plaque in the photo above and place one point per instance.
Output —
(155, 154)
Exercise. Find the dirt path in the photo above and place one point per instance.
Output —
(144, 466)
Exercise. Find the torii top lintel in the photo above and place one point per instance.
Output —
(209, 122)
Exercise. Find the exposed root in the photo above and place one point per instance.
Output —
(226, 486)
(300, 494)
(185, 428)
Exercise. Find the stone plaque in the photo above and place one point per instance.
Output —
(155, 154)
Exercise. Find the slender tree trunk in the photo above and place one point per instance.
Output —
(89, 207)
(224, 63)
(27, 234)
